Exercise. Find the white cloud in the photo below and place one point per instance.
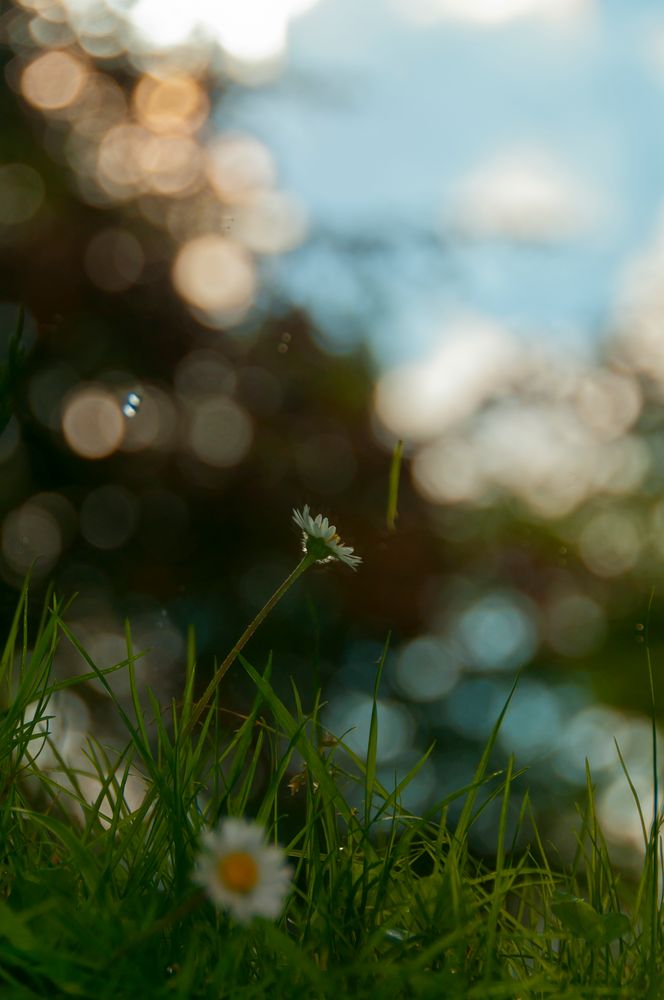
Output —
(524, 194)
(491, 13)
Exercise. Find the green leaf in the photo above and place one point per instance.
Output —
(13, 928)
(297, 733)
(615, 925)
(81, 856)
(372, 745)
(577, 916)
(583, 920)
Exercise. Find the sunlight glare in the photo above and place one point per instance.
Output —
(254, 31)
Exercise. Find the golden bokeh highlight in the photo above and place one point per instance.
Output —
(171, 165)
(101, 106)
(216, 275)
(175, 105)
(53, 80)
(239, 167)
(118, 159)
(92, 422)
(142, 138)
(132, 160)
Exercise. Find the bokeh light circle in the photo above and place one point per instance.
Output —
(92, 422)
(220, 432)
(53, 80)
(426, 668)
(171, 105)
(239, 167)
(31, 539)
(498, 631)
(214, 274)
(348, 716)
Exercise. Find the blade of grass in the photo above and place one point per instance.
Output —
(393, 487)
(372, 742)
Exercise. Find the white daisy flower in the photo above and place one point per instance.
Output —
(320, 538)
(241, 873)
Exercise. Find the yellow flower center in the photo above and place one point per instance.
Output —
(238, 872)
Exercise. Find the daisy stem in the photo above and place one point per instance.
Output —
(202, 703)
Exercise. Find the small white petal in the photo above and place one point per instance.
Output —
(266, 897)
(319, 528)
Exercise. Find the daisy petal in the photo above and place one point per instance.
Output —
(241, 873)
(320, 539)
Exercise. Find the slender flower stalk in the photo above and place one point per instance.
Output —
(320, 543)
(209, 692)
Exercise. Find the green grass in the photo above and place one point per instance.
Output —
(96, 900)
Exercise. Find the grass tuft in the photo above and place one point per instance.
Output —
(97, 899)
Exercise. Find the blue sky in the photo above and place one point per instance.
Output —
(377, 121)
